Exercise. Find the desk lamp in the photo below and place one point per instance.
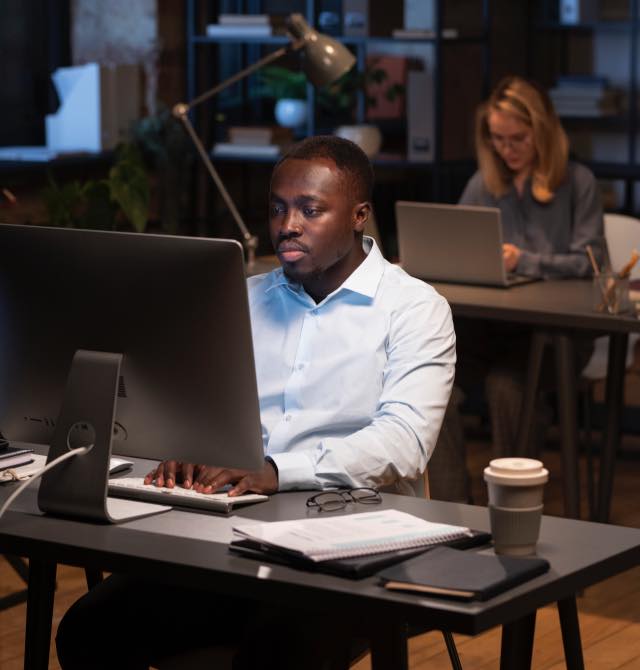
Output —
(323, 60)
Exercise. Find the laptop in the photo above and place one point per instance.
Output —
(453, 243)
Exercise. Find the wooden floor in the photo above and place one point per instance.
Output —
(609, 612)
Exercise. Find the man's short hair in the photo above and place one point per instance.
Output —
(348, 157)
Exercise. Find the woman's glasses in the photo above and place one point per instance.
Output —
(329, 501)
(514, 142)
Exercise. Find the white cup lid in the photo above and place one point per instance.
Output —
(516, 471)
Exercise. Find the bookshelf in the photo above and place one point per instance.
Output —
(457, 62)
(602, 44)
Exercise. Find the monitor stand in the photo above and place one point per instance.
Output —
(77, 487)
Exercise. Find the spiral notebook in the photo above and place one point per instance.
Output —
(327, 538)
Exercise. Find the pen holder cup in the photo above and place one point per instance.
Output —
(610, 294)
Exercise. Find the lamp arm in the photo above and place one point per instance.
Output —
(213, 173)
(181, 111)
(183, 107)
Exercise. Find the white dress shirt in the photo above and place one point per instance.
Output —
(352, 389)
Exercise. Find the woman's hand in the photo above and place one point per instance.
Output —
(510, 257)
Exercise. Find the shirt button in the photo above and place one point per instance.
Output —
(300, 366)
(287, 417)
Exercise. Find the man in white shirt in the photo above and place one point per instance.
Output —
(354, 358)
(355, 363)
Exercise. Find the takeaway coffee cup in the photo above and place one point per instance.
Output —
(515, 487)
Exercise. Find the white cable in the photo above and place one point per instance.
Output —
(74, 452)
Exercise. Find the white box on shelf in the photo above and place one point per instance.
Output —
(97, 106)
(420, 138)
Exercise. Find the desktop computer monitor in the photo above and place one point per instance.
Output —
(175, 308)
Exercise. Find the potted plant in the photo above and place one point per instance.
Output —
(118, 202)
(339, 100)
(289, 89)
(147, 187)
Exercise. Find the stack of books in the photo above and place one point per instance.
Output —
(585, 96)
(247, 25)
(423, 33)
(254, 141)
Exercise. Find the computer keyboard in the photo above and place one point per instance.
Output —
(134, 487)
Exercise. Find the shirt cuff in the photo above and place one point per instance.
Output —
(295, 471)
(528, 264)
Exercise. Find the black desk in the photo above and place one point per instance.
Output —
(559, 308)
(170, 547)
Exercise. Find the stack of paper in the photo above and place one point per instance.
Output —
(12, 457)
(335, 537)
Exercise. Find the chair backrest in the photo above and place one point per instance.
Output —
(623, 235)
(425, 481)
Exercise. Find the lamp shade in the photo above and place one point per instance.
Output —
(323, 59)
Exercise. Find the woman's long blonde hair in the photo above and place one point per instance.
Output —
(530, 104)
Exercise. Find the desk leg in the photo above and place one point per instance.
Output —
(524, 444)
(42, 582)
(389, 648)
(614, 402)
(517, 643)
(570, 625)
(94, 577)
(567, 413)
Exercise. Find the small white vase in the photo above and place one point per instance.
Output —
(291, 113)
(367, 137)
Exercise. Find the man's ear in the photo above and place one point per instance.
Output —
(361, 213)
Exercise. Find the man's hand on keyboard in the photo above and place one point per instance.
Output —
(208, 479)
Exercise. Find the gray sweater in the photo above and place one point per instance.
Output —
(551, 236)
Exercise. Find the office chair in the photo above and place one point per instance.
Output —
(222, 657)
(413, 631)
(622, 235)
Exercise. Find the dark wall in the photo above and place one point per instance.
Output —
(34, 40)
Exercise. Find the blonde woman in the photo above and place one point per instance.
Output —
(550, 211)
(550, 206)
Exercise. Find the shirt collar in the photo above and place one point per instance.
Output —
(364, 279)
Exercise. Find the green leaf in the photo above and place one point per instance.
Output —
(279, 82)
(129, 186)
(62, 202)
(99, 211)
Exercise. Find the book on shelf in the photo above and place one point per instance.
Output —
(586, 96)
(249, 19)
(261, 135)
(582, 81)
(326, 538)
(423, 33)
(31, 154)
(231, 149)
(463, 575)
(247, 25)
(218, 30)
